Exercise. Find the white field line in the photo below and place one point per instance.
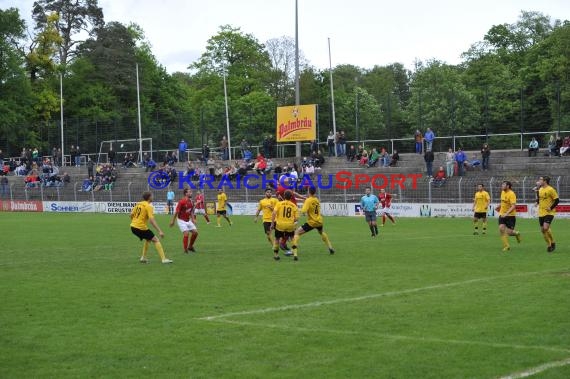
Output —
(371, 296)
(537, 369)
(395, 336)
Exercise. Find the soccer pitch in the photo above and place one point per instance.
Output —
(426, 299)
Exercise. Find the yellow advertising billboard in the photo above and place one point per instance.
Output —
(296, 123)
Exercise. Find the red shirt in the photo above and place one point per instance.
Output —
(439, 175)
(184, 209)
(280, 193)
(199, 201)
(385, 199)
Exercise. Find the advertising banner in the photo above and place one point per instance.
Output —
(21, 206)
(68, 206)
(296, 123)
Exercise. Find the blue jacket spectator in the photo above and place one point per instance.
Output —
(429, 137)
(182, 146)
(460, 158)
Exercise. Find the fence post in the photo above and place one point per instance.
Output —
(459, 186)
(129, 191)
(246, 195)
(42, 192)
(57, 190)
(110, 194)
(524, 189)
(11, 192)
(491, 188)
(558, 184)
(75, 191)
(429, 189)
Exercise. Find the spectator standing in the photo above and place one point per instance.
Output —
(112, 156)
(330, 143)
(342, 143)
(429, 158)
(182, 146)
(314, 146)
(244, 146)
(78, 157)
(224, 148)
(205, 153)
(429, 138)
(533, 147)
(485, 154)
(395, 158)
(266, 146)
(4, 187)
(54, 156)
(449, 162)
(419, 138)
(90, 166)
(460, 158)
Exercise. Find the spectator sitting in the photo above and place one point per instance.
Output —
(150, 165)
(247, 155)
(533, 147)
(565, 149)
(318, 159)
(309, 170)
(218, 172)
(373, 158)
(363, 161)
(269, 167)
(65, 178)
(473, 163)
(395, 158)
(129, 161)
(559, 144)
(21, 170)
(278, 170)
(32, 180)
(53, 180)
(87, 185)
(439, 177)
(359, 152)
(551, 146)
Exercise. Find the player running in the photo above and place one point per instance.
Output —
(221, 208)
(142, 213)
(200, 206)
(312, 208)
(507, 215)
(266, 205)
(547, 200)
(184, 215)
(386, 202)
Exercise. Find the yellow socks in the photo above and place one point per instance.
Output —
(160, 250)
(326, 240)
(145, 248)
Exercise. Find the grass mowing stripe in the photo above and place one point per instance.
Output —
(538, 369)
(371, 296)
(395, 337)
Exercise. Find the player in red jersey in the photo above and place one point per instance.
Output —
(386, 202)
(184, 214)
(200, 206)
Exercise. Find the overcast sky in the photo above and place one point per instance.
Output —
(363, 33)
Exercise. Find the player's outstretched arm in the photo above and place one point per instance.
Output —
(154, 223)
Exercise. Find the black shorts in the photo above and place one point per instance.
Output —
(281, 234)
(143, 234)
(221, 213)
(370, 216)
(267, 227)
(307, 228)
(508, 221)
(479, 215)
(546, 219)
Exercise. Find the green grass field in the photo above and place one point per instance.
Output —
(425, 300)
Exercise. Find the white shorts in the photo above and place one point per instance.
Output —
(186, 226)
(386, 210)
(200, 211)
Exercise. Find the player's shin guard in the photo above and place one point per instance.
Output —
(376, 229)
(145, 248)
(207, 218)
(383, 219)
(549, 232)
(295, 245)
(484, 227)
(391, 218)
(476, 225)
(505, 239)
(372, 229)
(160, 250)
(185, 242)
(326, 240)
(546, 237)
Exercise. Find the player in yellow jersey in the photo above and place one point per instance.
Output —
(481, 202)
(221, 207)
(266, 205)
(283, 220)
(312, 208)
(547, 200)
(142, 213)
(507, 215)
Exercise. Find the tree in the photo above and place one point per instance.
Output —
(15, 90)
(75, 16)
